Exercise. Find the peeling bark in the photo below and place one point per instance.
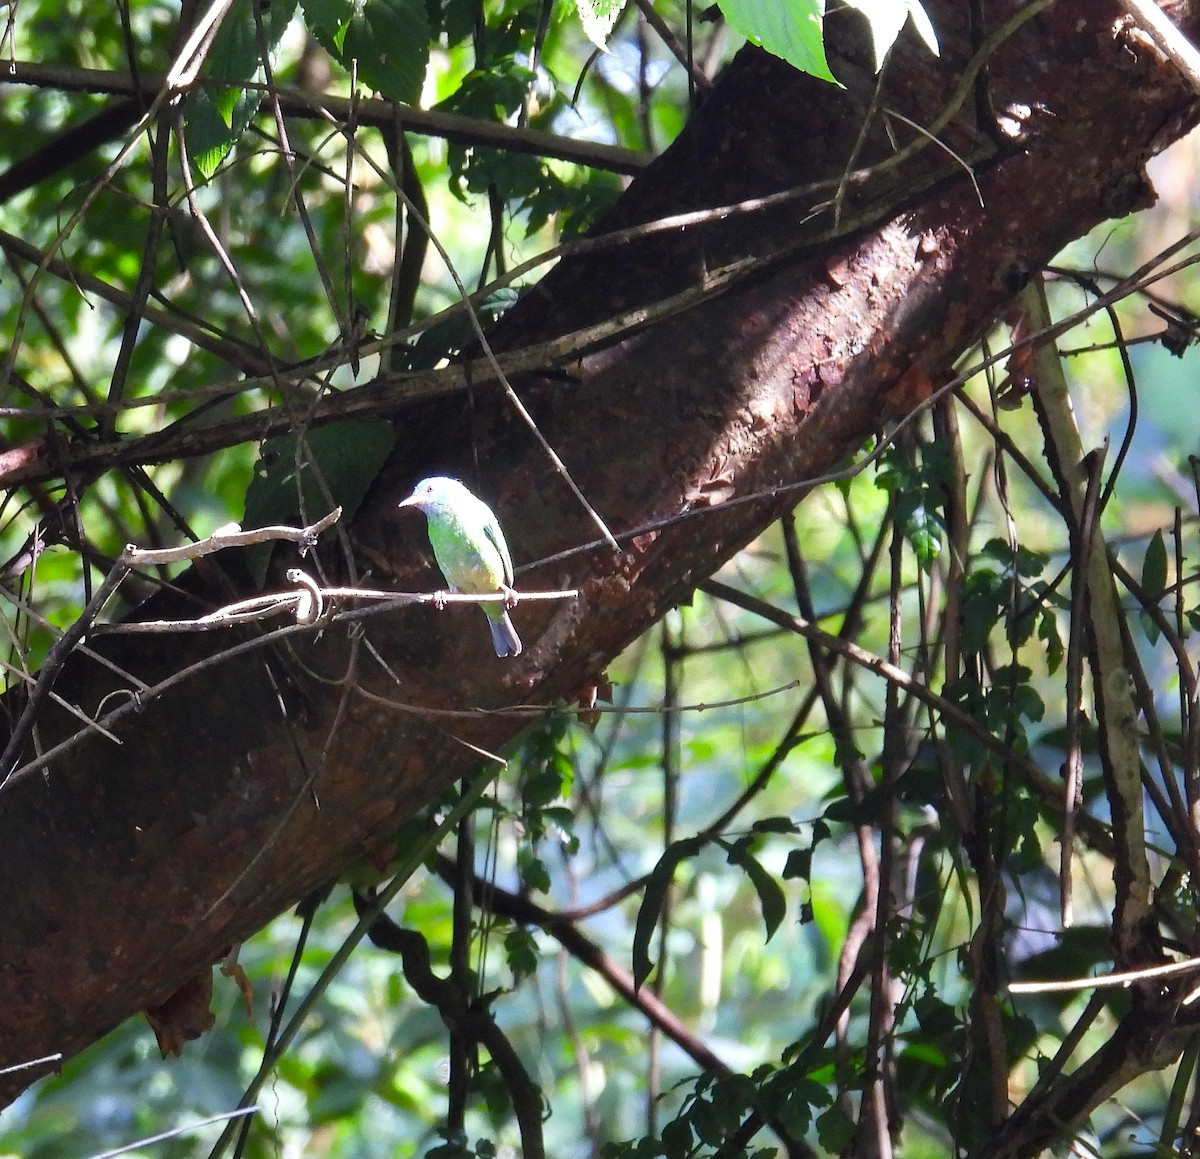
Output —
(117, 860)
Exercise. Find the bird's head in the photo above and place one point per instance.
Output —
(435, 492)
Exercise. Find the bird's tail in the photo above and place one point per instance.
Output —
(504, 636)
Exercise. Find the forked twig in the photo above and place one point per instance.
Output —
(129, 559)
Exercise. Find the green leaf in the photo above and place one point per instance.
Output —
(714, 1118)
(790, 29)
(328, 20)
(520, 949)
(1027, 563)
(236, 54)
(791, 1096)
(387, 39)
(677, 1138)
(541, 787)
(924, 530)
(657, 885)
(348, 455)
(984, 600)
(215, 123)
(774, 825)
(448, 337)
(771, 897)
(215, 118)
(835, 1130)
(939, 1020)
(532, 870)
(1049, 635)
(798, 865)
(847, 811)
(345, 455)
(1154, 567)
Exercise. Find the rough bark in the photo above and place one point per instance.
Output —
(113, 860)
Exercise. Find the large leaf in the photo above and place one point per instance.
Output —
(217, 116)
(328, 21)
(343, 457)
(791, 29)
(388, 41)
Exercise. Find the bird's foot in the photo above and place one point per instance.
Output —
(511, 597)
(439, 600)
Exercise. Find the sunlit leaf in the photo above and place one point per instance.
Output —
(924, 26)
(888, 17)
(328, 20)
(791, 29)
(598, 18)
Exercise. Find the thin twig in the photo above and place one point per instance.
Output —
(176, 1132)
(218, 249)
(1084, 537)
(1121, 978)
(377, 113)
(676, 48)
(45, 1060)
(309, 602)
(230, 350)
(231, 535)
(50, 669)
(871, 663)
(74, 635)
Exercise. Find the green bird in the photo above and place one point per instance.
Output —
(469, 548)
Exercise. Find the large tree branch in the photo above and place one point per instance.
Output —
(128, 868)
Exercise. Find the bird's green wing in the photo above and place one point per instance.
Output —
(491, 529)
